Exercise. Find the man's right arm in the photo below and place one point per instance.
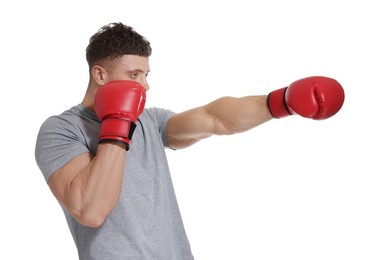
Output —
(89, 187)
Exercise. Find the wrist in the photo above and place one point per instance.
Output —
(115, 130)
(276, 103)
(125, 144)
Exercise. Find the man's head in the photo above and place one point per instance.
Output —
(113, 41)
(115, 51)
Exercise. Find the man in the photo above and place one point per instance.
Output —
(105, 162)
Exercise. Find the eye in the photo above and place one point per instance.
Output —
(133, 75)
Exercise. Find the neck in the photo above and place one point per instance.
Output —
(88, 100)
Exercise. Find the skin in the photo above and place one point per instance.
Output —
(89, 186)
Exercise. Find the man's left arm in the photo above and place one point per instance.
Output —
(312, 97)
(224, 116)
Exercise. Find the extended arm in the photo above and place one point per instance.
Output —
(224, 116)
(312, 97)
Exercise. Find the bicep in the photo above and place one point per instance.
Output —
(189, 127)
(61, 179)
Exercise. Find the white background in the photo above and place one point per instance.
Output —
(292, 188)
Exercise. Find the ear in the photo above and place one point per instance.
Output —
(100, 74)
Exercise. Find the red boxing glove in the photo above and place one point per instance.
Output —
(313, 97)
(118, 104)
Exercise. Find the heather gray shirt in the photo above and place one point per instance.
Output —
(146, 223)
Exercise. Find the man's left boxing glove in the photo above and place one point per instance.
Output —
(118, 104)
(312, 97)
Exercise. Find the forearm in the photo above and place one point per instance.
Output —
(95, 190)
(224, 116)
(235, 115)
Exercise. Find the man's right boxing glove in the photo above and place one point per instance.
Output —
(312, 97)
(118, 104)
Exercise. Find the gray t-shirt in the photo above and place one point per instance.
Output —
(146, 223)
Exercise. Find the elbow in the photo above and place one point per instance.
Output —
(89, 213)
(92, 220)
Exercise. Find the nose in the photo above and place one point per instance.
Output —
(145, 85)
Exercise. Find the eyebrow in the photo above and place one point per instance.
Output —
(139, 70)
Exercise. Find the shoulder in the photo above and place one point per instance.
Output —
(76, 117)
(157, 115)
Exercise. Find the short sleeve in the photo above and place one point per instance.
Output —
(57, 143)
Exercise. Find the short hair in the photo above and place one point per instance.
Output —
(115, 40)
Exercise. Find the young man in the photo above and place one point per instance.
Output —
(105, 162)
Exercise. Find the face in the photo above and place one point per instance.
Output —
(129, 67)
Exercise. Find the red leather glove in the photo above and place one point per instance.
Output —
(118, 104)
(312, 97)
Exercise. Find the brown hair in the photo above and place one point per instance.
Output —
(115, 40)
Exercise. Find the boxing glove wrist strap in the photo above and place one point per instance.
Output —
(276, 103)
(117, 130)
